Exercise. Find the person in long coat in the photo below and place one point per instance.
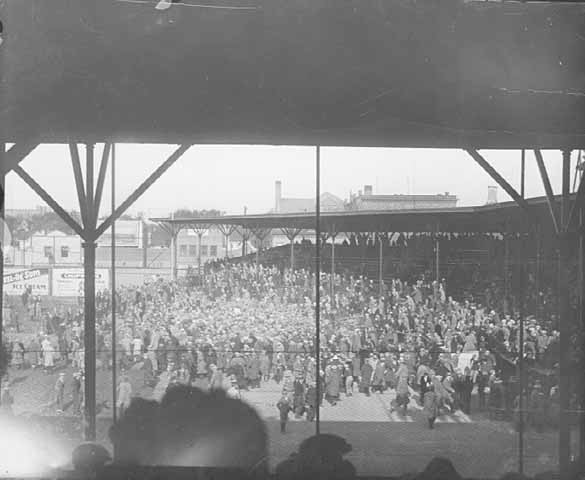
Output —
(366, 377)
(17, 355)
(265, 366)
(76, 393)
(333, 374)
(48, 354)
(60, 393)
(389, 374)
(298, 397)
(378, 382)
(253, 370)
(402, 390)
(356, 363)
(148, 369)
(32, 353)
(431, 406)
(311, 401)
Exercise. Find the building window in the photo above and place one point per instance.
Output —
(204, 250)
(192, 250)
(213, 251)
(48, 252)
(64, 252)
(183, 250)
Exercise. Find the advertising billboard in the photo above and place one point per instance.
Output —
(16, 280)
(68, 282)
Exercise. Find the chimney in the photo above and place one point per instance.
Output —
(492, 196)
(277, 195)
(368, 190)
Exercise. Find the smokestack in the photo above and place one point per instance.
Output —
(368, 190)
(492, 196)
(277, 195)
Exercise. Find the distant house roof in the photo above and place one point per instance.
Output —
(329, 203)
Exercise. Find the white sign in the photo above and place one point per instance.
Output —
(16, 281)
(69, 282)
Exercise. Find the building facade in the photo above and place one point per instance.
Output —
(367, 200)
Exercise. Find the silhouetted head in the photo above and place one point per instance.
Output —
(133, 436)
(319, 456)
(439, 468)
(193, 428)
(89, 457)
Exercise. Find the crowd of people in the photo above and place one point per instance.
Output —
(242, 325)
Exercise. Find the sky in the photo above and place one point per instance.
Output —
(230, 178)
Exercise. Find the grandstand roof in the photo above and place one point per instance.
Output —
(402, 73)
(488, 218)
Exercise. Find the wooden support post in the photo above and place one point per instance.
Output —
(537, 272)
(521, 369)
(437, 258)
(318, 289)
(380, 267)
(582, 315)
(332, 279)
(89, 340)
(113, 302)
(199, 238)
(522, 173)
(565, 325)
(506, 263)
(2, 236)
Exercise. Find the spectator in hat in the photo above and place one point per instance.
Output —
(284, 408)
(76, 393)
(60, 392)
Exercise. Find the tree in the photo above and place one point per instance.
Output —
(47, 222)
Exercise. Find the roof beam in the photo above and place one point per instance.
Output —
(547, 188)
(142, 188)
(501, 181)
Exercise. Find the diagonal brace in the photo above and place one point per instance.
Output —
(501, 181)
(79, 184)
(141, 189)
(17, 153)
(41, 192)
(547, 188)
(100, 185)
(579, 200)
